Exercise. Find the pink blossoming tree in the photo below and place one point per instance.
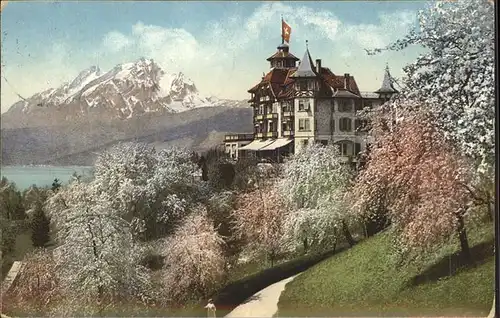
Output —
(429, 186)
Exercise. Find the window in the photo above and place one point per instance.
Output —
(358, 105)
(344, 106)
(303, 86)
(279, 64)
(310, 85)
(284, 107)
(261, 109)
(305, 142)
(345, 148)
(303, 105)
(345, 124)
(332, 104)
(357, 148)
(304, 124)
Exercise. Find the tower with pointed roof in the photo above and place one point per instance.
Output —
(387, 90)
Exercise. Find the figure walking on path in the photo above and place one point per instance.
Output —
(210, 308)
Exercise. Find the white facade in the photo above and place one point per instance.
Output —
(304, 125)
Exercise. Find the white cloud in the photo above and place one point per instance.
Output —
(116, 41)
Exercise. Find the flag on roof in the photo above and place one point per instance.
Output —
(285, 31)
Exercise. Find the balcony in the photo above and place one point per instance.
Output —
(266, 116)
(288, 133)
(272, 134)
(238, 137)
(287, 114)
(271, 116)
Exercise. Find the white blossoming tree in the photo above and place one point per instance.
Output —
(314, 184)
(151, 189)
(455, 77)
(96, 258)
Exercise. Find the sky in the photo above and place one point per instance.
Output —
(222, 46)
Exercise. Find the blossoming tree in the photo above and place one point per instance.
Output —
(96, 257)
(151, 189)
(455, 77)
(429, 185)
(313, 186)
(259, 221)
(194, 258)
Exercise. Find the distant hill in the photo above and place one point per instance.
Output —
(78, 143)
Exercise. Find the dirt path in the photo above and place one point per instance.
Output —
(262, 304)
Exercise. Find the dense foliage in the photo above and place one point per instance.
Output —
(455, 78)
(313, 186)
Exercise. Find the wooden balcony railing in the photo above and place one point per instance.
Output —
(238, 137)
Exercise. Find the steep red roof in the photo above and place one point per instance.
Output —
(276, 77)
(281, 82)
(338, 82)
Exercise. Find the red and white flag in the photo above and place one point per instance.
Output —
(286, 30)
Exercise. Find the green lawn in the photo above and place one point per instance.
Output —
(363, 281)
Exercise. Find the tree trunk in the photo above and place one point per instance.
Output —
(491, 208)
(100, 300)
(347, 234)
(464, 242)
(271, 258)
(306, 245)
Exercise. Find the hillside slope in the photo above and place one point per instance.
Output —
(364, 281)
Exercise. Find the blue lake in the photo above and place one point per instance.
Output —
(25, 176)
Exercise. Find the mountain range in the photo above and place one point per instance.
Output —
(71, 124)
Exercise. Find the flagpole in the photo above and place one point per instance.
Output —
(282, 35)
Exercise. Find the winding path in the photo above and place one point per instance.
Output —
(262, 304)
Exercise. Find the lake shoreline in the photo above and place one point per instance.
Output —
(24, 176)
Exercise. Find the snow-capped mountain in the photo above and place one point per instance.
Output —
(125, 91)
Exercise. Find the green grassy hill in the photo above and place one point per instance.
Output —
(364, 281)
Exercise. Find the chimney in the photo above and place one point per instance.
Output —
(347, 81)
(318, 66)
